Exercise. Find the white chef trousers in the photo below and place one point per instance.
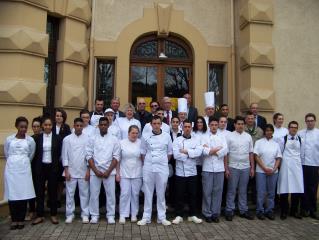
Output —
(129, 198)
(95, 187)
(151, 181)
(84, 193)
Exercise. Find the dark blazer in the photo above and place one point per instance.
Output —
(55, 152)
(192, 114)
(64, 130)
(143, 118)
(230, 124)
(261, 122)
(121, 114)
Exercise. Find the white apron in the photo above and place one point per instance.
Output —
(94, 121)
(290, 178)
(17, 173)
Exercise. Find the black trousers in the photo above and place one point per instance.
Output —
(295, 202)
(47, 174)
(199, 197)
(309, 199)
(18, 209)
(185, 191)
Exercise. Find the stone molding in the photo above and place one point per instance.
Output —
(257, 54)
(164, 12)
(72, 96)
(74, 52)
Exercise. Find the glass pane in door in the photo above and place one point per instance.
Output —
(144, 82)
(176, 81)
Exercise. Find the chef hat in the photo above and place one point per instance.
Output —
(209, 99)
(182, 105)
(109, 110)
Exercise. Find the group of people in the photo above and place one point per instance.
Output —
(201, 161)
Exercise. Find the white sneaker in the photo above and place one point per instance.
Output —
(94, 220)
(143, 222)
(122, 220)
(195, 219)
(85, 219)
(177, 220)
(165, 222)
(69, 219)
(111, 220)
(133, 219)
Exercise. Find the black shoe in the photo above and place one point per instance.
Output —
(208, 219)
(305, 213)
(283, 216)
(270, 216)
(14, 226)
(215, 219)
(229, 217)
(246, 215)
(314, 215)
(297, 215)
(260, 216)
(20, 226)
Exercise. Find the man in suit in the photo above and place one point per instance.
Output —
(224, 111)
(115, 105)
(260, 120)
(192, 112)
(168, 112)
(141, 114)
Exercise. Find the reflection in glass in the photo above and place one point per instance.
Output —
(105, 76)
(144, 82)
(174, 50)
(215, 81)
(146, 50)
(176, 81)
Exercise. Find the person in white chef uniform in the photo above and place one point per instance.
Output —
(113, 127)
(290, 179)
(156, 151)
(129, 174)
(209, 98)
(186, 149)
(102, 154)
(125, 122)
(148, 127)
(76, 171)
(19, 149)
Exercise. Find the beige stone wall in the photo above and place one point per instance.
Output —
(296, 74)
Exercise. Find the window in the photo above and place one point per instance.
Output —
(216, 82)
(50, 65)
(160, 67)
(105, 80)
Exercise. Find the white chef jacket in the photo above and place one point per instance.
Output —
(130, 161)
(148, 129)
(279, 133)
(47, 145)
(213, 163)
(113, 129)
(268, 151)
(88, 130)
(200, 136)
(309, 147)
(223, 132)
(124, 123)
(239, 147)
(186, 163)
(17, 174)
(95, 118)
(156, 148)
(103, 150)
(73, 154)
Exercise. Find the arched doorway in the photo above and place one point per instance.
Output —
(160, 67)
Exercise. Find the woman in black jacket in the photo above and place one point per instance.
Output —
(46, 169)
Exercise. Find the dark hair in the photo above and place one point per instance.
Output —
(46, 117)
(78, 120)
(133, 127)
(99, 99)
(102, 119)
(249, 113)
(269, 126)
(176, 118)
(155, 102)
(222, 117)
(187, 121)
(293, 122)
(155, 117)
(275, 117)
(223, 105)
(239, 118)
(310, 115)
(195, 128)
(212, 119)
(37, 119)
(159, 109)
(20, 119)
(84, 111)
(64, 115)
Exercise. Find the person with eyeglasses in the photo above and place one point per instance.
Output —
(290, 179)
(310, 165)
(141, 114)
(154, 105)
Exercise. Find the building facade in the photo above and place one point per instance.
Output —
(65, 53)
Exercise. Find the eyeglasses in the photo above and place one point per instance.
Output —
(154, 106)
(141, 103)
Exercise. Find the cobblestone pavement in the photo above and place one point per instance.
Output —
(237, 229)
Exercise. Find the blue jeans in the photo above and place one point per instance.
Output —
(266, 187)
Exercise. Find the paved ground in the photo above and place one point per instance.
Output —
(237, 229)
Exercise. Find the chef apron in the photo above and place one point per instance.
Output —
(95, 119)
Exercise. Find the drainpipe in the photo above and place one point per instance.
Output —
(91, 61)
(233, 59)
